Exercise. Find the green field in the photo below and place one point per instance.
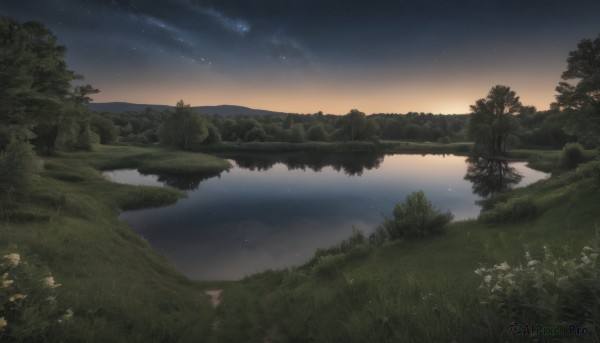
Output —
(120, 290)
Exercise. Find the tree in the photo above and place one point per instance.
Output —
(184, 127)
(356, 126)
(492, 120)
(317, 133)
(35, 84)
(581, 102)
(297, 134)
(416, 218)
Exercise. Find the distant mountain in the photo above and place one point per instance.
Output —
(224, 110)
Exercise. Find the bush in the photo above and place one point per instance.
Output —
(572, 155)
(29, 308)
(416, 218)
(19, 168)
(551, 290)
(512, 210)
(327, 266)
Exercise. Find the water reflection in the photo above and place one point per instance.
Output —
(185, 182)
(351, 163)
(273, 211)
(490, 176)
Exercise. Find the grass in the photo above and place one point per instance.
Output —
(120, 289)
(151, 160)
(417, 291)
(423, 290)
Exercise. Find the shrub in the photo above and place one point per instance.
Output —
(512, 210)
(19, 168)
(551, 290)
(416, 218)
(572, 155)
(327, 266)
(29, 308)
(379, 236)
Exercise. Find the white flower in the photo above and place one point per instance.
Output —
(17, 297)
(533, 263)
(7, 283)
(479, 271)
(13, 259)
(487, 279)
(586, 260)
(587, 248)
(49, 282)
(594, 256)
(562, 279)
(527, 256)
(497, 288)
(503, 266)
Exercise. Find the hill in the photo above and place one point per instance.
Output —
(224, 110)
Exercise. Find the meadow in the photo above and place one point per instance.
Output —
(119, 289)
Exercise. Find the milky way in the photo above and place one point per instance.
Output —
(309, 55)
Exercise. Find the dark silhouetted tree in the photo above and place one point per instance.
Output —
(581, 102)
(317, 133)
(492, 120)
(184, 127)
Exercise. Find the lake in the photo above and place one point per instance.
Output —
(275, 210)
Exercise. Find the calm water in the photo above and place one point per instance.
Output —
(272, 211)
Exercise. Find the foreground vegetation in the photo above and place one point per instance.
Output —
(72, 272)
(117, 288)
(427, 290)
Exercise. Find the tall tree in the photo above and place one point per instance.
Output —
(35, 83)
(581, 101)
(492, 120)
(356, 126)
(184, 127)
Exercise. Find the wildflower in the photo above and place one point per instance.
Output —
(503, 266)
(533, 263)
(51, 298)
(497, 288)
(593, 256)
(479, 271)
(3, 323)
(587, 248)
(586, 260)
(49, 282)
(562, 279)
(487, 279)
(13, 259)
(7, 283)
(17, 297)
(527, 256)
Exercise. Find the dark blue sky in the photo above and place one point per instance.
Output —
(308, 55)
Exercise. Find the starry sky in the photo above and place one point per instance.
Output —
(379, 56)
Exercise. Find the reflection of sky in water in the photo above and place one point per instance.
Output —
(248, 221)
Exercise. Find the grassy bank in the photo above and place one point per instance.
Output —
(117, 287)
(120, 290)
(417, 291)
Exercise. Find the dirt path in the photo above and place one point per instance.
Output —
(215, 296)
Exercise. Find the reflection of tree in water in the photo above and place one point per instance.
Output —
(490, 176)
(352, 164)
(185, 182)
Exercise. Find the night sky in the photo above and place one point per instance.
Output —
(308, 55)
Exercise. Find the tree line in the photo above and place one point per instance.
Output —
(42, 111)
